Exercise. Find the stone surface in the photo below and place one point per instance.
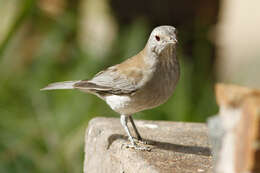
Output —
(176, 147)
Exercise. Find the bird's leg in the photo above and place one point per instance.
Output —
(135, 129)
(133, 145)
(124, 120)
(139, 138)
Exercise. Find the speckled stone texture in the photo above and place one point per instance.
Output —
(176, 148)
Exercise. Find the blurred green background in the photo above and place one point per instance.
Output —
(43, 41)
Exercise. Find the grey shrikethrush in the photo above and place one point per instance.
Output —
(142, 82)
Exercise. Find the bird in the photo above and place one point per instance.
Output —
(143, 81)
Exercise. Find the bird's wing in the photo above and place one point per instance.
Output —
(114, 80)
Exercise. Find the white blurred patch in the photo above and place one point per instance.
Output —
(150, 126)
(97, 27)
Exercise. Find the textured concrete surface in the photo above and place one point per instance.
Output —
(176, 147)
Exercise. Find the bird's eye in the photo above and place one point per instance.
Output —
(157, 38)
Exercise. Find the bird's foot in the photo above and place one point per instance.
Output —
(137, 147)
(143, 141)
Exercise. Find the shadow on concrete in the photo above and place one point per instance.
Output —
(205, 151)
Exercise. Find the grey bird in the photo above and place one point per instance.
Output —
(142, 82)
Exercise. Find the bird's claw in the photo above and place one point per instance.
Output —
(137, 147)
(143, 141)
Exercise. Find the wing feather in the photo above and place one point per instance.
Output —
(112, 81)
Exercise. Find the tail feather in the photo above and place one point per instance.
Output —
(60, 85)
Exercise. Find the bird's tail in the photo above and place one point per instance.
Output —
(60, 85)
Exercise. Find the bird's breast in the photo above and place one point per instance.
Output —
(159, 87)
(155, 91)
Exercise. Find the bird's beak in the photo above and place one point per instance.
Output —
(173, 40)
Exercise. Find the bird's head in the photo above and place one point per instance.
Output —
(162, 39)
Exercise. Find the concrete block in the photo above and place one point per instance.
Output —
(176, 147)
